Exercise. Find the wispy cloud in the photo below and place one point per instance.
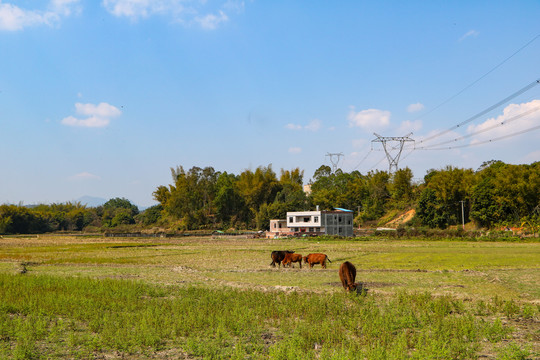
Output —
(94, 115)
(188, 13)
(470, 33)
(369, 119)
(211, 21)
(314, 125)
(415, 107)
(15, 18)
(84, 176)
(409, 126)
(293, 127)
(295, 150)
(514, 119)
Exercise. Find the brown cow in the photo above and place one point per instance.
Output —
(316, 258)
(278, 256)
(347, 274)
(292, 258)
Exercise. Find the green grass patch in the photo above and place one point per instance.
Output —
(70, 298)
(44, 317)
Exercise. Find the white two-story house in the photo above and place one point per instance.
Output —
(319, 222)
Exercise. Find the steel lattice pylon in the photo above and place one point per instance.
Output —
(334, 163)
(393, 160)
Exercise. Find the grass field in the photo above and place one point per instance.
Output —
(101, 298)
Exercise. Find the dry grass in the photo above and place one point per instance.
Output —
(462, 269)
(469, 271)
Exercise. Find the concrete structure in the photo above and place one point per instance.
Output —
(278, 228)
(335, 222)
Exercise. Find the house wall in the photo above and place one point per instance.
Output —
(278, 228)
(304, 219)
(338, 223)
(326, 222)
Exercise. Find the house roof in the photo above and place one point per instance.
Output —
(344, 210)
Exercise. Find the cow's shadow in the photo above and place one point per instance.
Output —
(361, 289)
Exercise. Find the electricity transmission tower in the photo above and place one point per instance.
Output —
(333, 161)
(392, 152)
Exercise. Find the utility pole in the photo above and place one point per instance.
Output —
(334, 162)
(462, 214)
(392, 159)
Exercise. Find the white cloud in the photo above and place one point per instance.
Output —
(470, 33)
(135, 9)
(295, 150)
(369, 119)
(65, 7)
(102, 110)
(14, 18)
(512, 119)
(84, 176)
(211, 21)
(314, 125)
(409, 126)
(293, 127)
(185, 12)
(96, 115)
(415, 107)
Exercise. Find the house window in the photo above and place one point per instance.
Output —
(291, 219)
(316, 219)
(339, 219)
(275, 225)
(306, 219)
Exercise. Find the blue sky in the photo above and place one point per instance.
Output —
(102, 98)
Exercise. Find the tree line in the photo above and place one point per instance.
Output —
(495, 195)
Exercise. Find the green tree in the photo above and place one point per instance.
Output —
(258, 188)
(121, 203)
(505, 193)
(150, 216)
(229, 204)
(485, 209)
(118, 211)
(191, 197)
(330, 190)
(21, 220)
(401, 187)
(374, 205)
(440, 201)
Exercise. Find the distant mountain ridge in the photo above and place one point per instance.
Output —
(91, 201)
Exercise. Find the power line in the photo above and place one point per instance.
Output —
(477, 80)
(361, 161)
(502, 123)
(378, 162)
(503, 101)
(486, 141)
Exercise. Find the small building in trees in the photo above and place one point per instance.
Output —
(278, 228)
(320, 222)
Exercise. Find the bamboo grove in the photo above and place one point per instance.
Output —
(495, 195)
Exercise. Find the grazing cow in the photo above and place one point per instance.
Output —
(317, 258)
(347, 274)
(292, 258)
(278, 256)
